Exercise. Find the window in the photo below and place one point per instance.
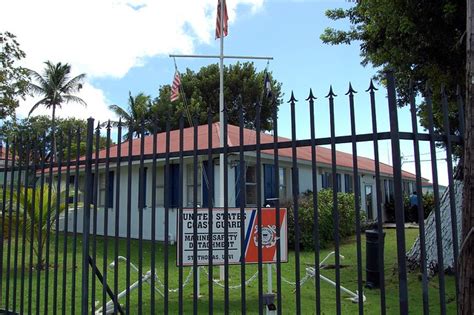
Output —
(348, 183)
(251, 186)
(326, 180)
(388, 189)
(338, 182)
(282, 177)
(190, 184)
(106, 191)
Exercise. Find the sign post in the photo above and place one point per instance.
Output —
(219, 241)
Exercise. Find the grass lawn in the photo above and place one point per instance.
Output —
(328, 304)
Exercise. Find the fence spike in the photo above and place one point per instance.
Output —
(311, 96)
(351, 91)
(372, 87)
(292, 98)
(331, 93)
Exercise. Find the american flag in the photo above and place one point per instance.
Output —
(175, 87)
(218, 19)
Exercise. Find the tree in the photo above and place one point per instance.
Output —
(14, 79)
(37, 212)
(136, 113)
(424, 42)
(421, 41)
(242, 83)
(35, 132)
(466, 272)
(56, 87)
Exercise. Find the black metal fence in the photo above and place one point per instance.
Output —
(74, 224)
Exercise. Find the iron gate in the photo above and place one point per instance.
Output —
(85, 233)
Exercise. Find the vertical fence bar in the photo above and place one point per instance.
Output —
(167, 209)
(23, 232)
(39, 265)
(195, 220)
(129, 215)
(378, 187)
(421, 221)
(259, 207)
(4, 197)
(95, 193)
(277, 205)
(10, 215)
(35, 157)
(452, 200)
(226, 210)
(355, 167)
(107, 197)
(180, 213)
(141, 208)
(74, 223)
(153, 217)
(399, 211)
(335, 209)
(17, 216)
(52, 159)
(241, 183)
(66, 221)
(56, 223)
(210, 205)
(117, 214)
(434, 170)
(295, 188)
(86, 218)
(314, 172)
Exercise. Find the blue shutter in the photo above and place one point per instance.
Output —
(269, 183)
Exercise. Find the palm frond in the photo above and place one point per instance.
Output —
(38, 104)
(119, 111)
(74, 99)
(74, 85)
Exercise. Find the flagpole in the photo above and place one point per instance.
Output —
(221, 115)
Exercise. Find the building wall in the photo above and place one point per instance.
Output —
(305, 183)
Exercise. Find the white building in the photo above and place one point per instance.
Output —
(345, 182)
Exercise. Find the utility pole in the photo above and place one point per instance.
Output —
(466, 252)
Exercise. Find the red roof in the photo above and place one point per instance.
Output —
(323, 155)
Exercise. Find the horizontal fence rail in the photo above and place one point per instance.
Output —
(93, 222)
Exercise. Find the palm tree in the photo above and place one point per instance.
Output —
(37, 213)
(56, 87)
(138, 110)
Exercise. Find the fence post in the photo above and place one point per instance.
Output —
(86, 216)
(397, 176)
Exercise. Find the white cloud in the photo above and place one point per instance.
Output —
(97, 106)
(108, 37)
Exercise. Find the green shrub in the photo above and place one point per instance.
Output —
(428, 206)
(326, 222)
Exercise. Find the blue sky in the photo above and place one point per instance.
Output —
(124, 45)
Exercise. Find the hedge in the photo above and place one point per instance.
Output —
(325, 214)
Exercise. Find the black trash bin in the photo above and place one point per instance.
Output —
(373, 265)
